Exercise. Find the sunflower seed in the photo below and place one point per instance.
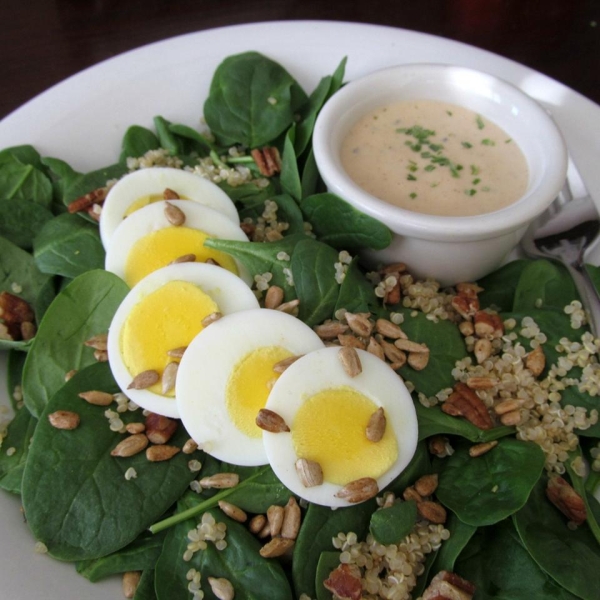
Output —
(389, 330)
(177, 352)
(275, 518)
(144, 380)
(130, 582)
(271, 421)
(274, 297)
(221, 588)
(350, 361)
(64, 419)
(309, 472)
(233, 511)
(97, 398)
(257, 523)
(359, 323)
(184, 258)
(289, 307)
(375, 348)
(376, 426)
(359, 490)
(408, 346)
(220, 481)
(130, 446)
(209, 319)
(170, 194)
(169, 376)
(282, 365)
(190, 447)
(161, 452)
(291, 520)
(98, 342)
(481, 449)
(418, 360)
(276, 547)
(174, 214)
(330, 331)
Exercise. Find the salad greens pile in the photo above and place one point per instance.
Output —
(505, 535)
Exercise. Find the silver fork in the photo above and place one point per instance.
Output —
(564, 232)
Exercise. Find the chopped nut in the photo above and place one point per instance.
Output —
(130, 582)
(28, 330)
(350, 361)
(351, 340)
(130, 446)
(375, 348)
(427, 484)
(448, 586)
(161, 452)
(393, 269)
(84, 202)
(437, 445)
(359, 490)
(482, 383)
(271, 421)
(507, 406)
(276, 547)
(511, 418)
(434, 512)
(220, 481)
(267, 160)
(465, 305)
(481, 449)
(410, 493)
(275, 518)
(70, 374)
(289, 307)
(464, 402)
(221, 588)
(174, 214)
(168, 377)
(566, 499)
(64, 419)
(189, 447)
(160, 429)
(14, 309)
(482, 350)
(274, 297)
(466, 328)
(135, 428)
(144, 380)
(233, 511)
(392, 353)
(309, 472)
(376, 425)
(101, 355)
(345, 582)
(97, 398)
(468, 289)
(488, 325)
(408, 346)
(535, 361)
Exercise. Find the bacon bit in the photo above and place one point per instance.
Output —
(84, 202)
(344, 584)
(267, 160)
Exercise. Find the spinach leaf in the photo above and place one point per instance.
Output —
(313, 269)
(89, 509)
(14, 377)
(487, 489)
(71, 184)
(328, 561)
(547, 282)
(419, 465)
(168, 140)
(195, 140)
(432, 421)
(249, 192)
(26, 154)
(260, 257)
(319, 526)
(68, 245)
(446, 346)
(391, 525)
(252, 576)
(451, 549)
(83, 309)
(499, 287)
(21, 181)
(252, 100)
(356, 292)
(311, 178)
(20, 432)
(136, 142)
(145, 589)
(496, 562)
(290, 174)
(570, 557)
(339, 224)
(140, 555)
(21, 221)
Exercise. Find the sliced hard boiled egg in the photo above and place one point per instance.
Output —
(148, 240)
(159, 318)
(225, 377)
(327, 412)
(142, 187)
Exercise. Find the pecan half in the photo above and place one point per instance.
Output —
(86, 201)
(488, 325)
(464, 402)
(14, 309)
(566, 499)
(465, 305)
(267, 160)
(344, 583)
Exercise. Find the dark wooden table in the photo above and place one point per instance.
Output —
(45, 41)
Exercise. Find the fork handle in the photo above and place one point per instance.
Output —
(589, 295)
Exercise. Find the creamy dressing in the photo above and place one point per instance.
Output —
(435, 158)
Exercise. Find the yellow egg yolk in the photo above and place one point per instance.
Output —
(157, 249)
(144, 201)
(167, 318)
(249, 386)
(329, 428)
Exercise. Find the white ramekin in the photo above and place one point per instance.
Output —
(449, 249)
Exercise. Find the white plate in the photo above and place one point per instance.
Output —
(82, 120)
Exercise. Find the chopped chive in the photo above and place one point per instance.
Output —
(410, 177)
(475, 170)
(436, 147)
(480, 123)
(466, 145)
(413, 195)
(430, 168)
(470, 192)
(449, 113)
(485, 188)
(508, 141)
(488, 142)
(476, 181)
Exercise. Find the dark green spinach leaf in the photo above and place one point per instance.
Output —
(21, 221)
(21, 181)
(136, 142)
(391, 525)
(12, 465)
(328, 561)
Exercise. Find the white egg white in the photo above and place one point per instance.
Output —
(229, 292)
(205, 369)
(323, 370)
(152, 218)
(154, 181)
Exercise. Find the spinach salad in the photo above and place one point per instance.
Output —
(499, 496)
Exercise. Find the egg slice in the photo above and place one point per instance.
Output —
(225, 376)
(163, 313)
(142, 187)
(327, 412)
(148, 240)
